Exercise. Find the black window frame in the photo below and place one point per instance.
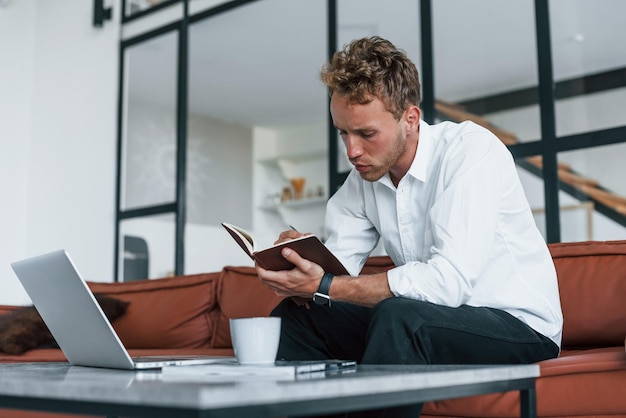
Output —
(548, 146)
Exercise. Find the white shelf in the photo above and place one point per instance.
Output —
(296, 204)
(293, 157)
(282, 154)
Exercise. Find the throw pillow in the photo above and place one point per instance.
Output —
(23, 329)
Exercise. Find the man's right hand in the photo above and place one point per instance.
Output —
(289, 235)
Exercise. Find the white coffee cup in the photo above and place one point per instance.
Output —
(255, 340)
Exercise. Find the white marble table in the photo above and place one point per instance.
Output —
(63, 388)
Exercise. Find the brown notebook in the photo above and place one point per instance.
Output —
(308, 246)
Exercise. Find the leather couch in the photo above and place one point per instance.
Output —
(189, 314)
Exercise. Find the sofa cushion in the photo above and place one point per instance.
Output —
(23, 329)
(587, 383)
(174, 312)
(592, 285)
(377, 264)
(241, 295)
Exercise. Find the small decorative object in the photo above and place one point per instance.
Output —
(272, 199)
(286, 196)
(298, 186)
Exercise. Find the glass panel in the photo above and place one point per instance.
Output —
(490, 72)
(596, 198)
(362, 18)
(531, 176)
(589, 64)
(591, 112)
(149, 141)
(147, 247)
(257, 119)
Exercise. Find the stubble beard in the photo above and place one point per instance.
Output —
(388, 160)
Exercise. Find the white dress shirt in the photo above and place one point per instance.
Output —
(458, 226)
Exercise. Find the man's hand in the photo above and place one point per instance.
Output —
(289, 235)
(304, 279)
(301, 281)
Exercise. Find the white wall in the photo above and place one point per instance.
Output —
(58, 101)
(17, 23)
(219, 172)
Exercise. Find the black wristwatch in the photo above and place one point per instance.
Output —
(321, 297)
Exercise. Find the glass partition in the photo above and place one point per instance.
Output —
(485, 65)
(531, 176)
(148, 247)
(590, 83)
(364, 18)
(148, 166)
(256, 120)
(597, 198)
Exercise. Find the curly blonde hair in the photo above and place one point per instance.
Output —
(370, 68)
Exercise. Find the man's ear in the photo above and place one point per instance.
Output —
(412, 117)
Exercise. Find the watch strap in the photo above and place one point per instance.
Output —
(322, 297)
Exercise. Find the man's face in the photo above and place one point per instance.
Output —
(374, 140)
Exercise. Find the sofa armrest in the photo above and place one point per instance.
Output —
(592, 286)
(4, 309)
(240, 295)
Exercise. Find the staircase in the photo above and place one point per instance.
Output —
(571, 182)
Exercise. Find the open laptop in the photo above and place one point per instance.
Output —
(75, 319)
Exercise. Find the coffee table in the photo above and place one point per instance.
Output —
(71, 389)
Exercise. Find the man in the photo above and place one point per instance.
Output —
(474, 281)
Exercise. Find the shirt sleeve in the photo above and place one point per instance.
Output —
(351, 235)
(463, 219)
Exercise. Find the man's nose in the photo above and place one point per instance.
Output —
(353, 147)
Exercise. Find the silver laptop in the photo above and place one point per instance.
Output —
(75, 319)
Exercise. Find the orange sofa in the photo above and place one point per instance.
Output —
(189, 314)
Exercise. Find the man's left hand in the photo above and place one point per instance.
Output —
(301, 281)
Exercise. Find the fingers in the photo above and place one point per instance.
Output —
(273, 280)
(288, 236)
(302, 280)
(267, 275)
(299, 301)
(294, 258)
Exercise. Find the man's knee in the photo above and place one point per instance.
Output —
(395, 316)
(395, 309)
(402, 318)
(392, 333)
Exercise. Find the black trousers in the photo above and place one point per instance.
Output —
(406, 331)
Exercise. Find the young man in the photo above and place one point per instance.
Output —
(474, 281)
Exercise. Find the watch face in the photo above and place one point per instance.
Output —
(321, 299)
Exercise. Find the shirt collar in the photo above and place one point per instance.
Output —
(419, 166)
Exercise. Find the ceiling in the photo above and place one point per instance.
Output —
(258, 65)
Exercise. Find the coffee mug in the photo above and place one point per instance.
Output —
(255, 340)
